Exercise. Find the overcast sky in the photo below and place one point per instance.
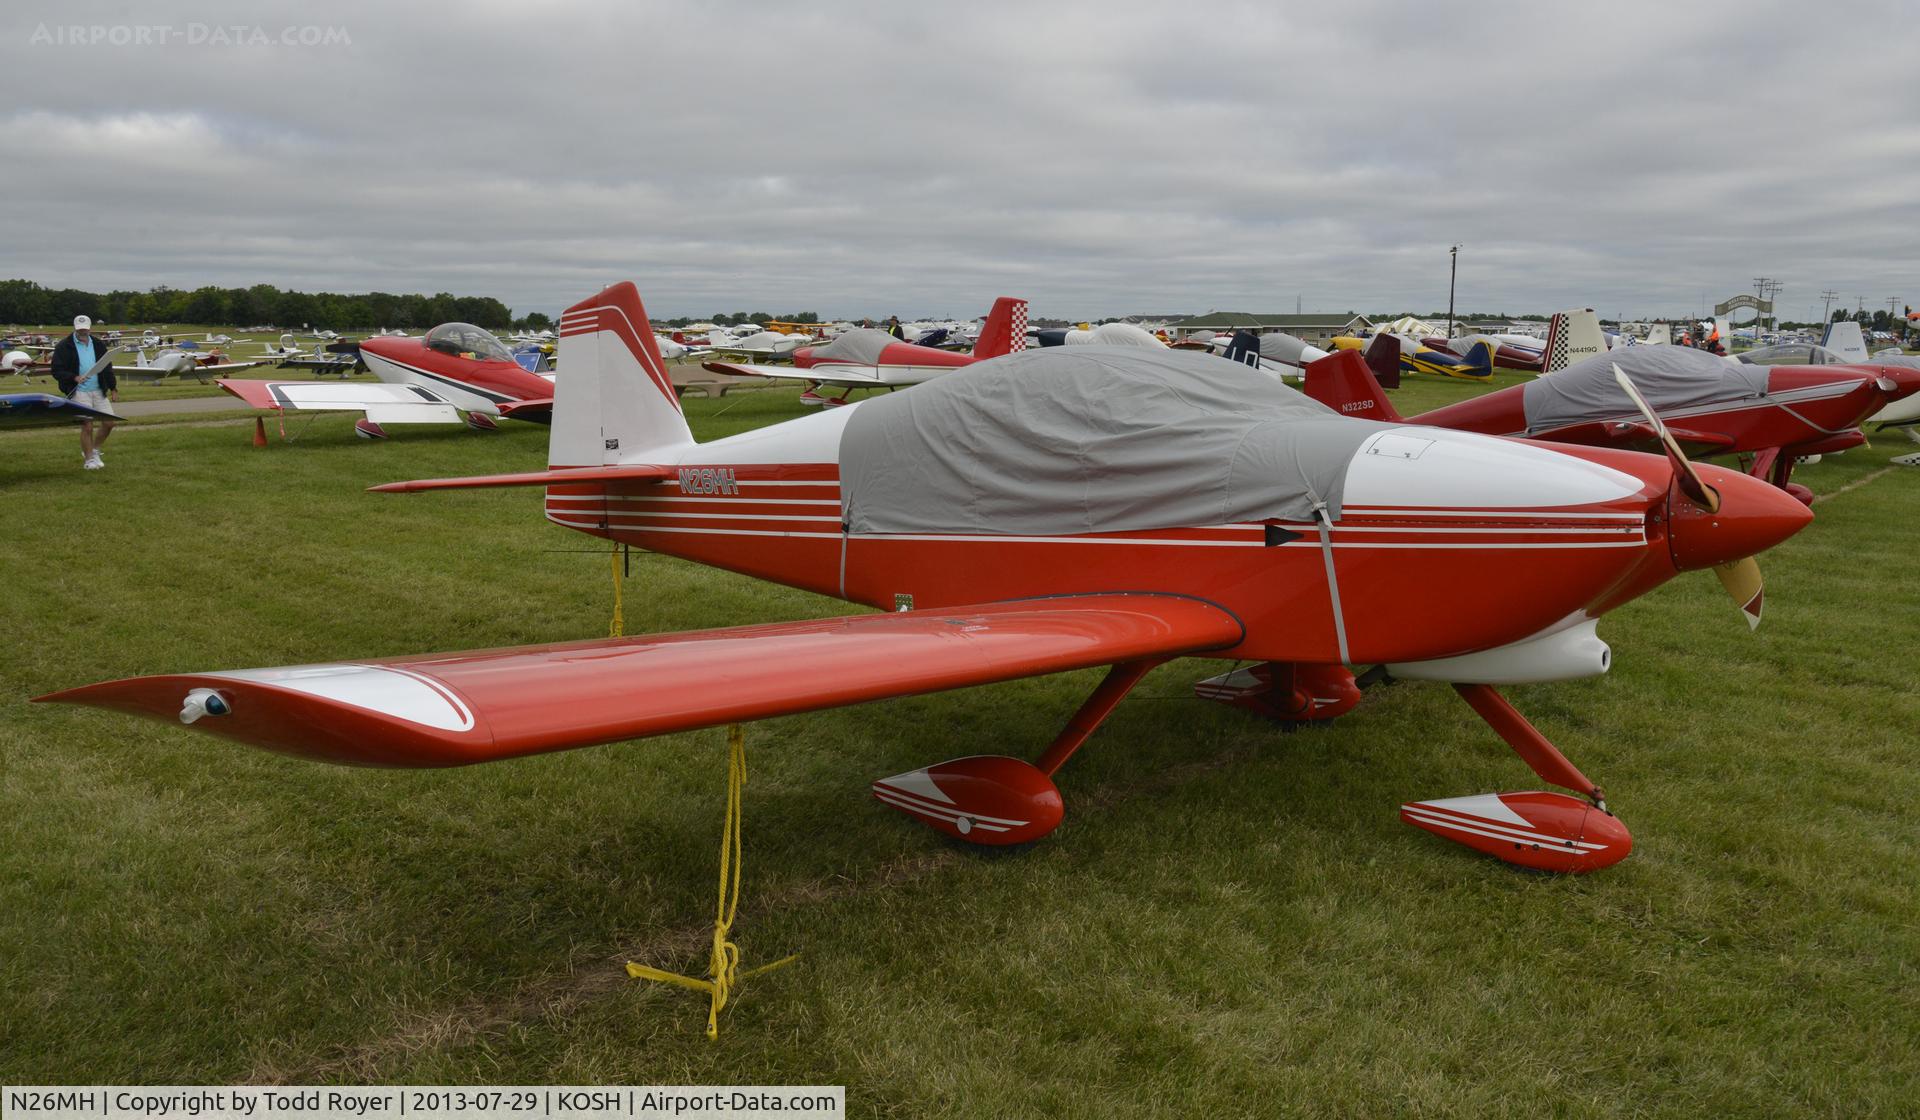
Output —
(922, 158)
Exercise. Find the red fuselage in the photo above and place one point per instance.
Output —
(1509, 571)
(474, 384)
(896, 354)
(1805, 406)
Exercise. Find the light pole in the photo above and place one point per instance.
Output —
(1453, 271)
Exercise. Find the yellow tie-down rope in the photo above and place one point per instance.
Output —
(619, 625)
(725, 962)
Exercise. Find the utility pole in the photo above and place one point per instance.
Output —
(1826, 309)
(1771, 295)
(1453, 271)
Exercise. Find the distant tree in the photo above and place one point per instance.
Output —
(533, 321)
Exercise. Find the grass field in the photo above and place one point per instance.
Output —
(1231, 921)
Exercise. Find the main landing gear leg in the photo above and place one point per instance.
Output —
(1527, 742)
(995, 800)
(1093, 712)
(1777, 468)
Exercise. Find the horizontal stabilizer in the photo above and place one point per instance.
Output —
(537, 408)
(452, 709)
(568, 476)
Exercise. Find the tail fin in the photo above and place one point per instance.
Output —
(1659, 334)
(1383, 358)
(1844, 338)
(1480, 359)
(1343, 382)
(1245, 349)
(1005, 331)
(615, 402)
(1571, 336)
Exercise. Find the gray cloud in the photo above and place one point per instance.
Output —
(857, 159)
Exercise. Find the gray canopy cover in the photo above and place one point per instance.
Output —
(1092, 439)
(1668, 376)
(861, 346)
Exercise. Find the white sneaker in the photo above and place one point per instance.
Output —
(93, 462)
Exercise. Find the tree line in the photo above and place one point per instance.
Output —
(25, 302)
(728, 319)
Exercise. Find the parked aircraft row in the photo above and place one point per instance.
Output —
(1103, 502)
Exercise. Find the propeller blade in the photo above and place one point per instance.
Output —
(1707, 498)
(1742, 581)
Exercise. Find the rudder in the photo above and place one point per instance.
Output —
(1005, 331)
(1383, 358)
(1343, 382)
(1571, 336)
(614, 401)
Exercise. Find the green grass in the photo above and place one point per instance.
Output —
(1230, 922)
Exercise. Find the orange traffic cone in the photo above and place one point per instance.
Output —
(259, 431)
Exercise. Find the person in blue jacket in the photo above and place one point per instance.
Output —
(73, 361)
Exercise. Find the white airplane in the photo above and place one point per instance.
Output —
(153, 362)
(759, 345)
(289, 348)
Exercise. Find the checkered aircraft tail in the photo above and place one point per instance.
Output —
(1571, 336)
(1005, 331)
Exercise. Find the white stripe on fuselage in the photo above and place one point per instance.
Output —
(457, 392)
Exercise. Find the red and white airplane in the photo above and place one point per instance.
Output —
(1053, 510)
(1713, 405)
(865, 358)
(454, 368)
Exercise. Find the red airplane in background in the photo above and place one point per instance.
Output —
(866, 358)
(1712, 405)
(1053, 510)
(454, 368)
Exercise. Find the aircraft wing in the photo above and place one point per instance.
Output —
(27, 410)
(837, 374)
(383, 403)
(452, 709)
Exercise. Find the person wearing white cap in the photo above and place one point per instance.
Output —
(84, 374)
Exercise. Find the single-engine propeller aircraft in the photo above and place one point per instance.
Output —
(865, 358)
(1417, 357)
(154, 361)
(1713, 405)
(454, 368)
(1050, 510)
